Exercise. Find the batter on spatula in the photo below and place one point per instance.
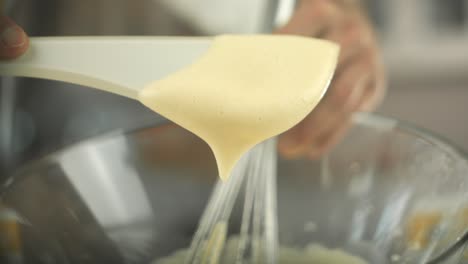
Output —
(244, 90)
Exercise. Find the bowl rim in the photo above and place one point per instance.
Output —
(363, 118)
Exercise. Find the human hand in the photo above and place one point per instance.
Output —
(358, 83)
(14, 41)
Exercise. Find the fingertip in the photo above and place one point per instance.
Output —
(292, 153)
(286, 148)
(313, 155)
(13, 40)
(290, 147)
(330, 140)
(317, 151)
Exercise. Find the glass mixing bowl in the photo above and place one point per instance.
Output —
(387, 192)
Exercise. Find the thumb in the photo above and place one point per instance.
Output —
(13, 40)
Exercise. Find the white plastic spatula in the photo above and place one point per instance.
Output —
(121, 65)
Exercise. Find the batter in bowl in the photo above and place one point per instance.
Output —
(312, 254)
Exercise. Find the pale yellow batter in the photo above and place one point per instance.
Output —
(312, 254)
(244, 90)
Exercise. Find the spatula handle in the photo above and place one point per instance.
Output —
(121, 65)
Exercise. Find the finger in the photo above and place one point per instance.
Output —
(343, 96)
(321, 123)
(354, 36)
(366, 91)
(330, 139)
(311, 18)
(13, 40)
(296, 141)
(350, 92)
(374, 91)
(348, 85)
(289, 145)
(317, 143)
(342, 99)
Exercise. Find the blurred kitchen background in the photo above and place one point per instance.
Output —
(426, 51)
(425, 44)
